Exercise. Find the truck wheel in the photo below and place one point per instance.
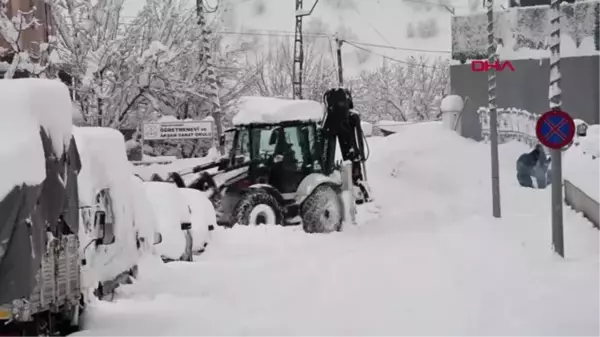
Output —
(257, 207)
(322, 211)
(188, 254)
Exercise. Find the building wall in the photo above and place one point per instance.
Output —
(31, 38)
(527, 88)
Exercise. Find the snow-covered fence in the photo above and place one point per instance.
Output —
(513, 124)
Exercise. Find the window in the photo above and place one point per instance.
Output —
(242, 146)
(293, 144)
(104, 203)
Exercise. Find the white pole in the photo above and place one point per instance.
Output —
(554, 96)
(496, 212)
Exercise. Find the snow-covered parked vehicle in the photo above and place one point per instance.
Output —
(203, 217)
(145, 220)
(40, 289)
(106, 188)
(174, 221)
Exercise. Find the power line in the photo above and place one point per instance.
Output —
(276, 33)
(370, 24)
(389, 58)
(401, 48)
(323, 35)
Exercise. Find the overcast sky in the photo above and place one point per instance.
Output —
(371, 21)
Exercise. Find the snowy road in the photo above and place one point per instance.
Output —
(431, 262)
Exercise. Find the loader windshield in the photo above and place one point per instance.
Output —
(293, 143)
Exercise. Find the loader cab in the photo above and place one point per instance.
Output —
(279, 154)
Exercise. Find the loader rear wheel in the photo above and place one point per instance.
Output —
(322, 211)
(257, 207)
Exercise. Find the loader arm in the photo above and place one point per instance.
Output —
(342, 124)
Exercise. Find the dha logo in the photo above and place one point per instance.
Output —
(485, 66)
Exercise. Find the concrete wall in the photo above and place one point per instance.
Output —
(527, 88)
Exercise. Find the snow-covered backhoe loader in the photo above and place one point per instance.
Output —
(282, 167)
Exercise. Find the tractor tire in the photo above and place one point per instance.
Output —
(322, 211)
(257, 207)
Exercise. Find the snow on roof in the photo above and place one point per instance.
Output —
(524, 32)
(21, 151)
(46, 100)
(102, 151)
(452, 103)
(255, 109)
(28, 104)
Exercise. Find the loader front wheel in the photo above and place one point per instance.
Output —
(322, 211)
(258, 207)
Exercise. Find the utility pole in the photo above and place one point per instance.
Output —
(493, 113)
(338, 44)
(298, 66)
(298, 54)
(555, 104)
(210, 76)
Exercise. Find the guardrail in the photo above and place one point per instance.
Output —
(582, 202)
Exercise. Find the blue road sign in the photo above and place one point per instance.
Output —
(555, 129)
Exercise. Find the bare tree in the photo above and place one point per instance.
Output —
(411, 90)
(274, 66)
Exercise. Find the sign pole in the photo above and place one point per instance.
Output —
(555, 104)
(493, 113)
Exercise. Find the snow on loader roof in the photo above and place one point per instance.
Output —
(27, 105)
(271, 110)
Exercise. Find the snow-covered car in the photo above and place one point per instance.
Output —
(105, 186)
(174, 220)
(144, 219)
(203, 217)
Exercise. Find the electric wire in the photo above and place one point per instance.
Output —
(389, 58)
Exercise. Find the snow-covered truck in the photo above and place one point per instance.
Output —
(40, 288)
(107, 185)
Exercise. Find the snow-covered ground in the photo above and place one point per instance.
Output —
(432, 262)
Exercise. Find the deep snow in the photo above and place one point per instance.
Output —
(432, 262)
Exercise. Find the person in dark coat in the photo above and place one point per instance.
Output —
(533, 164)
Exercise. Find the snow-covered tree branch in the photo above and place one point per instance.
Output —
(18, 54)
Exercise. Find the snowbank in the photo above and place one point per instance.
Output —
(27, 105)
(392, 126)
(167, 204)
(104, 166)
(367, 128)
(254, 109)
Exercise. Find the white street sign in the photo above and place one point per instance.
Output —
(178, 130)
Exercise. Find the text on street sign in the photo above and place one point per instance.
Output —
(178, 130)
